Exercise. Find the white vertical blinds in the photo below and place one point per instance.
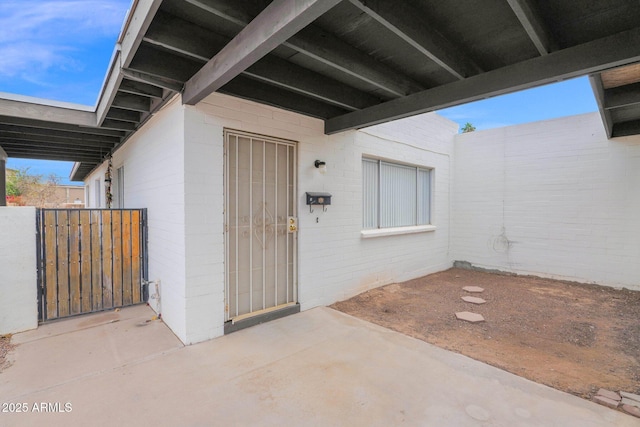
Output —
(370, 193)
(424, 196)
(395, 195)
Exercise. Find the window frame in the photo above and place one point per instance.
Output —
(416, 227)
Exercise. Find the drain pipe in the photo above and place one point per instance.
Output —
(3, 177)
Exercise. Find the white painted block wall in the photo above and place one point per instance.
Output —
(334, 261)
(154, 166)
(18, 278)
(553, 198)
(174, 168)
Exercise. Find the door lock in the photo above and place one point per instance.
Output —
(293, 224)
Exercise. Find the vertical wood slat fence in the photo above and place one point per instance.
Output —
(90, 260)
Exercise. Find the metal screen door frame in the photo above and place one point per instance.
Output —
(262, 228)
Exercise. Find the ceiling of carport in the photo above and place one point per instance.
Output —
(353, 63)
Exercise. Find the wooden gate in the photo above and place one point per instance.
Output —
(90, 260)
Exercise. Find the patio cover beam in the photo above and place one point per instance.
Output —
(25, 107)
(152, 80)
(201, 44)
(56, 147)
(598, 92)
(405, 22)
(29, 153)
(73, 129)
(327, 49)
(71, 136)
(43, 139)
(273, 26)
(608, 52)
(622, 96)
(531, 20)
(629, 128)
(136, 25)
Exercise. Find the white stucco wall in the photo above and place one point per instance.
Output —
(553, 198)
(18, 278)
(334, 260)
(153, 161)
(174, 168)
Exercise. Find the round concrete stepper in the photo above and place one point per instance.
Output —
(469, 317)
(473, 300)
(473, 289)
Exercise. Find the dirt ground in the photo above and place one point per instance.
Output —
(569, 336)
(5, 346)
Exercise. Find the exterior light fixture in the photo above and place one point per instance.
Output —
(322, 166)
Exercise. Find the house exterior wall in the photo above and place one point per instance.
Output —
(174, 167)
(334, 260)
(154, 162)
(18, 281)
(553, 198)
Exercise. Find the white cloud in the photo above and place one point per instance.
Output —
(37, 35)
(62, 19)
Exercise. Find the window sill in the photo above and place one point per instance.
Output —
(394, 231)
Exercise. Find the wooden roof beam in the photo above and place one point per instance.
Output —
(51, 155)
(137, 23)
(143, 77)
(628, 128)
(533, 24)
(327, 49)
(10, 143)
(141, 89)
(622, 96)
(405, 21)
(27, 107)
(247, 88)
(59, 133)
(597, 55)
(598, 91)
(37, 139)
(270, 69)
(273, 26)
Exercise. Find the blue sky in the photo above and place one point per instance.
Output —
(60, 50)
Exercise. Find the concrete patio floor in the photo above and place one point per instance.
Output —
(319, 367)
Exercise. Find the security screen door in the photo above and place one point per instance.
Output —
(260, 224)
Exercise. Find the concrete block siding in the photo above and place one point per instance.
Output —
(553, 198)
(174, 167)
(334, 261)
(154, 165)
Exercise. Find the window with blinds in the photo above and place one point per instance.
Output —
(394, 195)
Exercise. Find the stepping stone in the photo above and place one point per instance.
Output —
(474, 300)
(608, 394)
(473, 289)
(630, 402)
(605, 401)
(469, 317)
(631, 396)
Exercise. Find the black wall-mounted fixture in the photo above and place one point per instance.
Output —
(323, 199)
(322, 166)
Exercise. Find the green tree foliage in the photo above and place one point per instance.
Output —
(468, 127)
(34, 189)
